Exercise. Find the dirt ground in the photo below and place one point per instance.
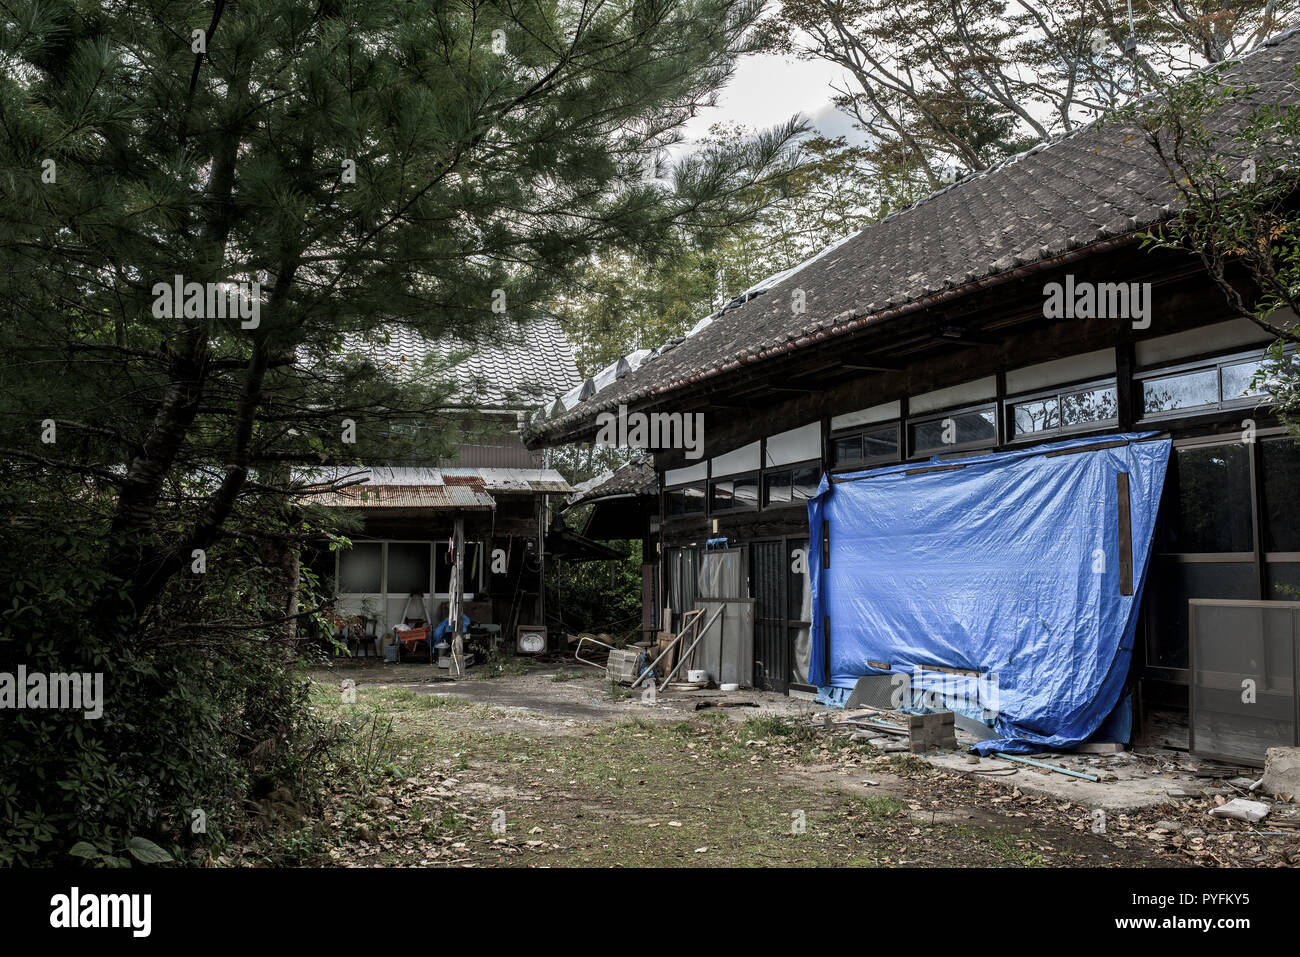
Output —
(550, 765)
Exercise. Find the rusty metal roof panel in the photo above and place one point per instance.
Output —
(466, 496)
(544, 481)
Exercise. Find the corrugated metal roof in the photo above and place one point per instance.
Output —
(434, 488)
(464, 496)
(546, 481)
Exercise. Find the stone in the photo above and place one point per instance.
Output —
(1282, 771)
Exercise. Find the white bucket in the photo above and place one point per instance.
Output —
(697, 674)
(730, 686)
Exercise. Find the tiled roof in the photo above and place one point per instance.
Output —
(517, 370)
(636, 477)
(1093, 184)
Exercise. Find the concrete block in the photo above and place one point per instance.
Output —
(1282, 771)
(1100, 747)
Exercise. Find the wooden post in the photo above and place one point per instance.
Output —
(454, 597)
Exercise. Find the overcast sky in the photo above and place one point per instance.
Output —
(768, 89)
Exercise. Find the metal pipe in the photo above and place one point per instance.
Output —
(577, 652)
(651, 667)
(1048, 767)
(698, 638)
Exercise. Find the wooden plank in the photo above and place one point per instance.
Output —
(934, 468)
(1094, 447)
(1125, 536)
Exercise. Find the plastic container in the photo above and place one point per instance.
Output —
(697, 674)
(730, 686)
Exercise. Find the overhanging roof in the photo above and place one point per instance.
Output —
(629, 480)
(1074, 196)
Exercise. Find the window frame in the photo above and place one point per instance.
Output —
(790, 469)
(755, 474)
(700, 485)
(1099, 425)
(992, 405)
(1186, 367)
(857, 431)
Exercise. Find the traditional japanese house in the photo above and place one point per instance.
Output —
(930, 338)
(496, 492)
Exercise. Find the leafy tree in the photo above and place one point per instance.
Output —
(941, 86)
(317, 176)
(624, 302)
(1237, 189)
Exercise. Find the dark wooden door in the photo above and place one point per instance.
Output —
(771, 644)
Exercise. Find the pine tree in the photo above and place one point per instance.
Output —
(204, 203)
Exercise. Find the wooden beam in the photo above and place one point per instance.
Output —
(872, 367)
(1125, 535)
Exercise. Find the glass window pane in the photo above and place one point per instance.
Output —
(1280, 461)
(776, 488)
(962, 428)
(800, 654)
(321, 561)
(721, 497)
(675, 502)
(1089, 405)
(1284, 581)
(359, 568)
(806, 481)
(1208, 500)
(1237, 380)
(1037, 415)
(1186, 391)
(741, 460)
(408, 567)
(882, 443)
(745, 491)
(797, 445)
(798, 584)
(848, 451)
(693, 496)
(1172, 583)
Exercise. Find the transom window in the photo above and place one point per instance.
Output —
(1066, 409)
(787, 486)
(868, 446)
(953, 431)
(1200, 387)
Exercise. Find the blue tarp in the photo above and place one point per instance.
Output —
(1008, 568)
